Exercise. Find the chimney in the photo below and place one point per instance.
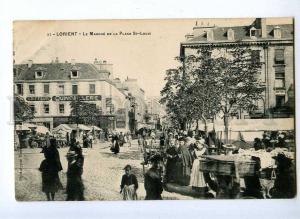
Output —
(261, 24)
(72, 61)
(95, 61)
(56, 60)
(29, 64)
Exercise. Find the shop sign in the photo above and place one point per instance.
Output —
(38, 98)
(77, 97)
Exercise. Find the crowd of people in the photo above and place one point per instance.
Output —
(181, 153)
(175, 158)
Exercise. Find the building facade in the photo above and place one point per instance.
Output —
(49, 89)
(138, 103)
(273, 45)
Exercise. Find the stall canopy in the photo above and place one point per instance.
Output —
(81, 127)
(29, 125)
(42, 129)
(62, 128)
(22, 128)
(70, 127)
(96, 128)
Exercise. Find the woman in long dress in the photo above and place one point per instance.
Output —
(75, 169)
(172, 158)
(50, 167)
(197, 178)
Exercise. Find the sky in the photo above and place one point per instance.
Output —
(145, 57)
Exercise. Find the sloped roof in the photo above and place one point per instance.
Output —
(59, 71)
(242, 33)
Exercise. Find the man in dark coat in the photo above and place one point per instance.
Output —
(153, 184)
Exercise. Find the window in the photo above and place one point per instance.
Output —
(255, 56)
(253, 32)
(46, 89)
(38, 74)
(61, 89)
(62, 108)
(74, 74)
(31, 89)
(280, 100)
(279, 77)
(92, 88)
(32, 108)
(74, 89)
(20, 89)
(46, 108)
(279, 56)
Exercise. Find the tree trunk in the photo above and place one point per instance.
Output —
(205, 125)
(226, 124)
(197, 124)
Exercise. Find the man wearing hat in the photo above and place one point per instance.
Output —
(153, 184)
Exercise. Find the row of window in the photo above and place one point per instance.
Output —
(61, 89)
(46, 108)
(61, 108)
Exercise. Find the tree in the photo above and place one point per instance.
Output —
(84, 113)
(177, 99)
(22, 111)
(212, 82)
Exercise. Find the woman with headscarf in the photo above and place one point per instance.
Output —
(75, 169)
(50, 167)
(197, 180)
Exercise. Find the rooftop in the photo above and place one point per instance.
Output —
(241, 33)
(58, 71)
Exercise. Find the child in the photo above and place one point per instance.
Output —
(129, 184)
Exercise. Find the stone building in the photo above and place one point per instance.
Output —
(138, 103)
(50, 87)
(273, 45)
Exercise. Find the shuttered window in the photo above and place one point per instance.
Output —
(279, 56)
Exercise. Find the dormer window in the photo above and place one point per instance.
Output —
(230, 34)
(210, 35)
(74, 74)
(39, 74)
(253, 33)
(277, 32)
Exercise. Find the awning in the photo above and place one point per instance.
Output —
(42, 130)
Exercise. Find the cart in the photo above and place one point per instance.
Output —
(227, 170)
